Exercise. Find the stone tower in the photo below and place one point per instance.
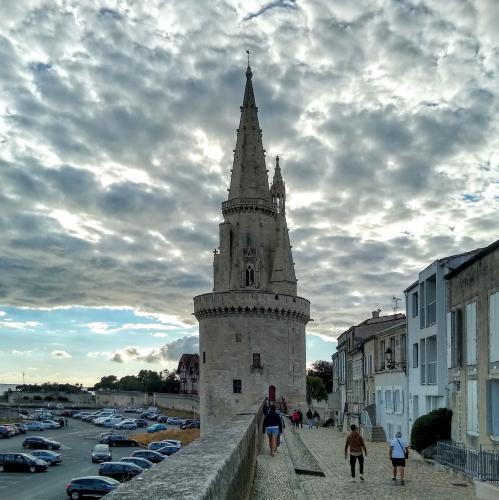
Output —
(252, 326)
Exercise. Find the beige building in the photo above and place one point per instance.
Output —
(473, 348)
(353, 365)
(252, 326)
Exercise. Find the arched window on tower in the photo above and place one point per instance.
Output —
(250, 276)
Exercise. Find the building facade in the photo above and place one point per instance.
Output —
(188, 372)
(473, 348)
(252, 325)
(354, 366)
(427, 338)
(390, 380)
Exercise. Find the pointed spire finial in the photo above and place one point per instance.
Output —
(249, 73)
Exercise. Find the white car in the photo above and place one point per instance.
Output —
(126, 424)
(50, 424)
(174, 442)
(174, 421)
(34, 426)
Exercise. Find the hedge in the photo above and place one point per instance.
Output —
(430, 428)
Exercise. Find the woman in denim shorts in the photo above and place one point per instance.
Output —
(272, 426)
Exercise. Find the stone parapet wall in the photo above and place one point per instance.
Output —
(219, 466)
(123, 398)
(188, 402)
(252, 303)
(17, 397)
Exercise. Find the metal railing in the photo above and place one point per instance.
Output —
(366, 424)
(480, 464)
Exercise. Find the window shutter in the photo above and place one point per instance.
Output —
(449, 340)
(471, 333)
(494, 327)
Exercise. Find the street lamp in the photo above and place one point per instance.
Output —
(389, 360)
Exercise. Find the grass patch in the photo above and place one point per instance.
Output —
(187, 436)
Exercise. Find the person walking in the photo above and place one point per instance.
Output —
(355, 442)
(300, 418)
(317, 419)
(272, 426)
(295, 418)
(399, 452)
(310, 418)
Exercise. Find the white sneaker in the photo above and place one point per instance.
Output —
(353, 480)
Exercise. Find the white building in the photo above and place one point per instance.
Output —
(428, 383)
(390, 380)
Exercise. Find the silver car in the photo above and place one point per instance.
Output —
(101, 453)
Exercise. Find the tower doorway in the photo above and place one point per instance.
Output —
(272, 393)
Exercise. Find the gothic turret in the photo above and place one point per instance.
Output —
(283, 276)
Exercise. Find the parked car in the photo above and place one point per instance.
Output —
(156, 428)
(126, 424)
(191, 425)
(101, 453)
(174, 421)
(162, 419)
(50, 424)
(152, 456)
(60, 406)
(93, 486)
(104, 435)
(122, 471)
(119, 440)
(20, 428)
(169, 449)
(141, 422)
(75, 407)
(175, 442)
(66, 413)
(11, 430)
(34, 426)
(141, 462)
(51, 457)
(4, 432)
(21, 462)
(51, 406)
(40, 443)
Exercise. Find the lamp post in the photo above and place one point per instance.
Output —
(389, 360)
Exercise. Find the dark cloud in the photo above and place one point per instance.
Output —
(116, 138)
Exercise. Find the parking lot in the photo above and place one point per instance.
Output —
(77, 440)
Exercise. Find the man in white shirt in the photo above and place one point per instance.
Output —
(398, 454)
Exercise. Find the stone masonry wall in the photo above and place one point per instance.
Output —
(189, 402)
(219, 466)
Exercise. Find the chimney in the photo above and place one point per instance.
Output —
(376, 313)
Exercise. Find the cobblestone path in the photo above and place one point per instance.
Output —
(423, 481)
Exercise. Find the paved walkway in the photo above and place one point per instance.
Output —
(423, 481)
(273, 479)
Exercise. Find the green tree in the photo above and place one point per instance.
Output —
(323, 370)
(316, 389)
(130, 383)
(107, 382)
(151, 380)
(170, 381)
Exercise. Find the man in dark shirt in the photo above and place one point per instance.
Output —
(272, 426)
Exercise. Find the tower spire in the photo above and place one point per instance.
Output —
(249, 173)
(278, 189)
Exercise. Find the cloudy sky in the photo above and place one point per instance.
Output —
(117, 124)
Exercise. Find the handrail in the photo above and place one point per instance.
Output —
(365, 421)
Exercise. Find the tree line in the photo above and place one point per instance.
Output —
(49, 387)
(145, 381)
